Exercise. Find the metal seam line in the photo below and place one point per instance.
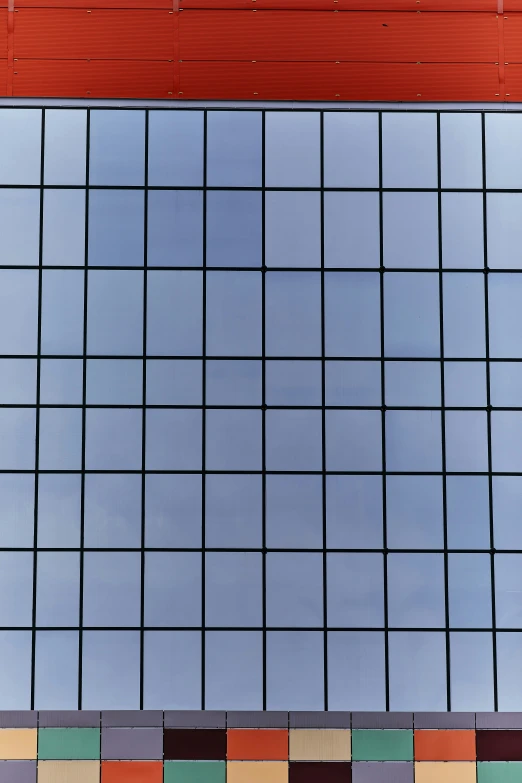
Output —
(10, 46)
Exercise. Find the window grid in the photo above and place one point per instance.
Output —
(265, 471)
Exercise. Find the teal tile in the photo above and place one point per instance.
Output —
(382, 745)
(69, 744)
(194, 772)
(499, 772)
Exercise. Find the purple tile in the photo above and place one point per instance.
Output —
(132, 744)
(18, 719)
(68, 719)
(444, 720)
(499, 720)
(257, 720)
(195, 719)
(319, 720)
(382, 720)
(132, 718)
(17, 771)
(382, 772)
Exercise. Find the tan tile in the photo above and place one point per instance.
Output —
(68, 772)
(18, 744)
(445, 772)
(320, 745)
(257, 772)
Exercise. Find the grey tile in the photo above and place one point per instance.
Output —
(382, 772)
(444, 720)
(132, 718)
(319, 720)
(68, 719)
(195, 719)
(17, 771)
(18, 719)
(499, 720)
(382, 720)
(257, 720)
(130, 744)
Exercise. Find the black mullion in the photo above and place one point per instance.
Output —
(263, 413)
(488, 415)
(383, 431)
(323, 426)
(443, 422)
(144, 410)
(84, 410)
(37, 412)
(204, 416)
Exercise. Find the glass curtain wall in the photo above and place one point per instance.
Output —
(260, 409)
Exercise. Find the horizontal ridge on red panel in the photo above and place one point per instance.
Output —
(375, 37)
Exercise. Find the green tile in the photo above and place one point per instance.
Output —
(69, 744)
(194, 772)
(382, 745)
(499, 771)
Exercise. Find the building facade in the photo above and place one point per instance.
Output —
(260, 408)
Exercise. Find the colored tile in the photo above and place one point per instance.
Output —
(444, 745)
(257, 772)
(444, 720)
(68, 772)
(132, 744)
(17, 771)
(132, 718)
(445, 772)
(131, 772)
(18, 719)
(245, 719)
(18, 744)
(320, 745)
(257, 744)
(382, 772)
(499, 772)
(320, 720)
(382, 745)
(319, 772)
(382, 720)
(194, 772)
(65, 719)
(69, 744)
(195, 744)
(195, 719)
(499, 745)
(498, 720)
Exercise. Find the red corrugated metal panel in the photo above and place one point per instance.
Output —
(76, 34)
(514, 83)
(378, 37)
(513, 38)
(95, 79)
(3, 32)
(345, 82)
(348, 5)
(3, 77)
(71, 4)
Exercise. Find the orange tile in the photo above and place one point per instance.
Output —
(132, 772)
(445, 745)
(257, 744)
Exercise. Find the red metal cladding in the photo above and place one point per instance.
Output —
(348, 5)
(342, 82)
(63, 34)
(513, 39)
(95, 79)
(376, 37)
(145, 5)
(3, 33)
